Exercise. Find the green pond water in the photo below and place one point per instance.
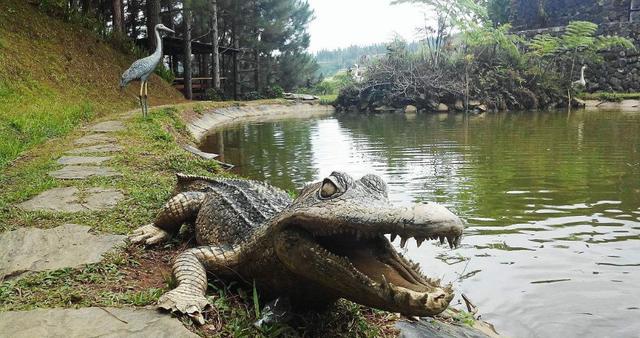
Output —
(552, 202)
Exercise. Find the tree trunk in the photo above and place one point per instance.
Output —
(133, 8)
(256, 75)
(215, 57)
(74, 5)
(87, 7)
(118, 22)
(186, 55)
(153, 18)
(236, 61)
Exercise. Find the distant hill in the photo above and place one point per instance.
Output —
(54, 75)
(332, 61)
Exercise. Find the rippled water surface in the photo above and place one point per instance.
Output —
(552, 203)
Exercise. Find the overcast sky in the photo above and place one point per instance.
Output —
(342, 23)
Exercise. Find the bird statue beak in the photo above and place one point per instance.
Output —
(169, 30)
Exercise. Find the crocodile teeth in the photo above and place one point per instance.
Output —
(385, 284)
(419, 241)
(403, 242)
(451, 240)
(393, 237)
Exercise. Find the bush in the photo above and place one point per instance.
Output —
(252, 95)
(165, 73)
(213, 94)
(273, 92)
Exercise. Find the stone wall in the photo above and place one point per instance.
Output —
(620, 71)
(536, 14)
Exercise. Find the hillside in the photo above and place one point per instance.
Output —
(54, 75)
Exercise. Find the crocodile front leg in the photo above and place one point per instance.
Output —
(181, 208)
(190, 269)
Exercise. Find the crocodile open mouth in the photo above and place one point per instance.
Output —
(374, 257)
(371, 262)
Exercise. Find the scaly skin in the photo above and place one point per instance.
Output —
(327, 244)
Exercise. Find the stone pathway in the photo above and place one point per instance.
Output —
(82, 166)
(32, 249)
(67, 246)
(91, 322)
(82, 172)
(107, 127)
(71, 199)
(75, 160)
(93, 139)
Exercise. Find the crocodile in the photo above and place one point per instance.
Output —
(330, 242)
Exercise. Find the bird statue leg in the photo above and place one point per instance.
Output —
(146, 97)
(140, 97)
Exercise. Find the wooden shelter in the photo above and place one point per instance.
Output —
(200, 51)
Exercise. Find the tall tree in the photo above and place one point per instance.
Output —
(186, 49)
(118, 21)
(153, 18)
(215, 56)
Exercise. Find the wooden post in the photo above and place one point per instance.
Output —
(215, 55)
(186, 55)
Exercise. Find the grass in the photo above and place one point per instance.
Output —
(134, 276)
(610, 97)
(328, 100)
(55, 76)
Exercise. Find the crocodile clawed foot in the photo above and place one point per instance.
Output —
(180, 301)
(149, 234)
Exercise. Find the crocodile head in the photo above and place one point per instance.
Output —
(333, 234)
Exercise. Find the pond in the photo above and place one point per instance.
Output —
(552, 202)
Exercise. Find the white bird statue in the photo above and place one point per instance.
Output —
(582, 82)
(143, 68)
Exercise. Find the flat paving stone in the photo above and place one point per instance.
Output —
(79, 172)
(75, 160)
(67, 246)
(94, 139)
(107, 126)
(98, 148)
(69, 200)
(91, 322)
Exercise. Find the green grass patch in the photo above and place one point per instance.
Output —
(328, 100)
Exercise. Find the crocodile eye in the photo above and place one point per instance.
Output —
(328, 189)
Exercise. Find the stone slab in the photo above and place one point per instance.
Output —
(91, 322)
(200, 153)
(69, 200)
(107, 126)
(94, 139)
(75, 160)
(79, 172)
(66, 246)
(98, 148)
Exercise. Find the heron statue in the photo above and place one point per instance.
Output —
(143, 68)
(582, 82)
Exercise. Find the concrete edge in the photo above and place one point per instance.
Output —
(200, 126)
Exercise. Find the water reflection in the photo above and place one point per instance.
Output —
(552, 203)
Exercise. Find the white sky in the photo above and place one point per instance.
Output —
(342, 23)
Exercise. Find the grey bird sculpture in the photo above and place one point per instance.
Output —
(143, 68)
